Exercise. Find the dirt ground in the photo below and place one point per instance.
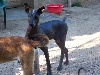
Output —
(82, 41)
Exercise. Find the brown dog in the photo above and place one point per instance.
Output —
(13, 46)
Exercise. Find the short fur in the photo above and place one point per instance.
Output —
(54, 29)
(22, 47)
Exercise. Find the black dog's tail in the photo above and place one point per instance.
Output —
(64, 19)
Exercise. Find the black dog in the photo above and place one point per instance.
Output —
(54, 29)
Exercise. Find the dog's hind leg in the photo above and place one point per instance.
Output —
(61, 44)
(26, 59)
(66, 55)
(45, 50)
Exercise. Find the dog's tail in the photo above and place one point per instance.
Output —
(64, 19)
(39, 40)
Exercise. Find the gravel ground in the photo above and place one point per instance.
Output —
(83, 41)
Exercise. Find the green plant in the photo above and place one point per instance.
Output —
(77, 4)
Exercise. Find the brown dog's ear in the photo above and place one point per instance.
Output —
(27, 7)
(40, 10)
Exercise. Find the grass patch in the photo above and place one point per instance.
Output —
(77, 4)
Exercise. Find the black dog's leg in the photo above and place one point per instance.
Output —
(61, 60)
(61, 44)
(45, 50)
(66, 55)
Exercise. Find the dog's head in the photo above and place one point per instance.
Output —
(42, 38)
(33, 15)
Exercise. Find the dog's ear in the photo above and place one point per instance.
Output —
(27, 7)
(40, 10)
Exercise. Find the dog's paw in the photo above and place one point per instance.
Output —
(49, 72)
(59, 68)
(66, 63)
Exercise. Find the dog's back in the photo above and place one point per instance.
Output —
(54, 28)
(9, 47)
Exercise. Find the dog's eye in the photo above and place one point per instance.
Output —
(36, 17)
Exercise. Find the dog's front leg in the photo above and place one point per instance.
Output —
(26, 59)
(45, 50)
